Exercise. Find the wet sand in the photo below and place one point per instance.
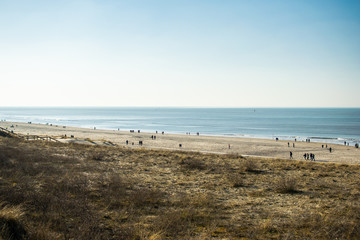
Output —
(244, 146)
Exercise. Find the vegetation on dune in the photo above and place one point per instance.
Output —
(73, 191)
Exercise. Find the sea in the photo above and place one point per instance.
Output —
(329, 125)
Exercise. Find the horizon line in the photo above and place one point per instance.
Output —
(248, 107)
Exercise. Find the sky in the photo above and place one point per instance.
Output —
(184, 53)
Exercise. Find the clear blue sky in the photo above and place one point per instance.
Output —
(203, 53)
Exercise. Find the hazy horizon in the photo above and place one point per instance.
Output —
(233, 54)
(185, 107)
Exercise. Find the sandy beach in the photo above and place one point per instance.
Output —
(211, 144)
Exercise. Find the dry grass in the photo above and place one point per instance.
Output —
(10, 225)
(287, 185)
(71, 191)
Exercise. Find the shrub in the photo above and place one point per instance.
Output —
(10, 225)
(98, 155)
(236, 180)
(286, 185)
(193, 164)
(249, 165)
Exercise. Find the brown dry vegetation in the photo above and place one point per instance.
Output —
(70, 191)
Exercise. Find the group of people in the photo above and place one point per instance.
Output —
(309, 156)
(189, 133)
(292, 144)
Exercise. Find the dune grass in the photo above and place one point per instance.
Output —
(72, 191)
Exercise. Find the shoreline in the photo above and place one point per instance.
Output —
(316, 139)
(245, 146)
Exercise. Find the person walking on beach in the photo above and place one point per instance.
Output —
(304, 156)
(291, 155)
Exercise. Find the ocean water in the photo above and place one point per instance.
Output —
(331, 125)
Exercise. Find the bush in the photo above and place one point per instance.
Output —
(286, 185)
(193, 164)
(10, 226)
(236, 180)
(249, 165)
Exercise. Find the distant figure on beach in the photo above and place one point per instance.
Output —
(307, 156)
(180, 145)
(229, 146)
(198, 133)
(288, 144)
(162, 133)
(291, 155)
(304, 156)
(140, 143)
(293, 145)
(322, 146)
(330, 149)
(127, 142)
